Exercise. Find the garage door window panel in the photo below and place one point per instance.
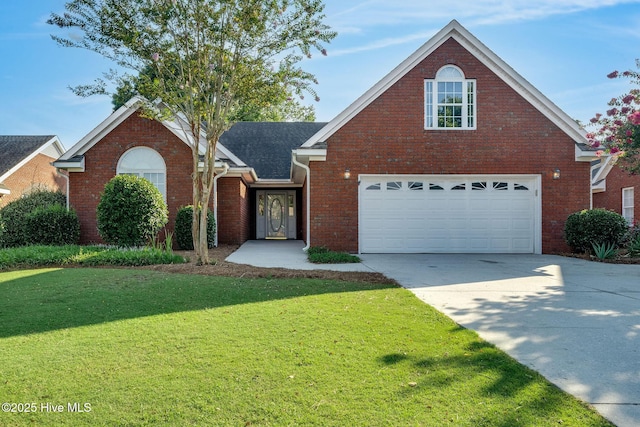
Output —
(416, 186)
(394, 185)
(501, 186)
(478, 186)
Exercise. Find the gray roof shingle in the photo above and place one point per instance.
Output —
(266, 146)
(15, 148)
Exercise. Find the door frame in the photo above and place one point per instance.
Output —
(290, 210)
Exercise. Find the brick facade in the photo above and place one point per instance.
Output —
(101, 162)
(617, 179)
(233, 211)
(388, 137)
(36, 173)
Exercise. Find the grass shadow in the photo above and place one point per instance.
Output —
(481, 369)
(35, 301)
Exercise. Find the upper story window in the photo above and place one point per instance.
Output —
(146, 163)
(450, 100)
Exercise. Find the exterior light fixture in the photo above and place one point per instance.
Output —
(556, 173)
(347, 173)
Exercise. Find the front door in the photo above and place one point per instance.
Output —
(276, 215)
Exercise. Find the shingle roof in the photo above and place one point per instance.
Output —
(266, 146)
(15, 148)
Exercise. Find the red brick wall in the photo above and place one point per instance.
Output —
(233, 211)
(617, 179)
(101, 162)
(37, 172)
(388, 137)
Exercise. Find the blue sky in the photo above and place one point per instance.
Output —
(563, 47)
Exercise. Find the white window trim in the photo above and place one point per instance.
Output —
(432, 103)
(630, 207)
(120, 170)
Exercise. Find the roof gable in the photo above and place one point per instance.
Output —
(176, 126)
(267, 146)
(469, 42)
(19, 149)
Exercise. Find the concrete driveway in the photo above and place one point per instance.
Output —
(576, 322)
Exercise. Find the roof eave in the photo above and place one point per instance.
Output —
(310, 154)
(70, 165)
(584, 155)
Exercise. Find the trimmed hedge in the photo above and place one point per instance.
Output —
(53, 225)
(13, 217)
(594, 227)
(182, 229)
(131, 211)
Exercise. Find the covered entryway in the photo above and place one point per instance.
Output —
(449, 214)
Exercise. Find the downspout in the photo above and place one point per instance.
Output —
(295, 161)
(66, 177)
(215, 200)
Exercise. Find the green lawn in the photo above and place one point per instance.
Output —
(145, 348)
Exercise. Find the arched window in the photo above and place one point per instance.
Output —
(146, 163)
(450, 100)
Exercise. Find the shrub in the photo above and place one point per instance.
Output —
(52, 225)
(322, 255)
(131, 211)
(182, 229)
(13, 217)
(634, 247)
(594, 227)
(42, 256)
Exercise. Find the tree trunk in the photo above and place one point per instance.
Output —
(203, 243)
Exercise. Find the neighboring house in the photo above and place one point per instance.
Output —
(453, 151)
(25, 164)
(617, 190)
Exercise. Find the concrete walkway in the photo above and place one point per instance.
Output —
(284, 254)
(574, 321)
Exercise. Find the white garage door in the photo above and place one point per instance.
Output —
(449, 214)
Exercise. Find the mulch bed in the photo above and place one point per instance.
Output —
(220, 267)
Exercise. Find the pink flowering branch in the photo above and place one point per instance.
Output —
(618, 131)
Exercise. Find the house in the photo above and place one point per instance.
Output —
(249, 191)
(452, 151)
(25, 164)
(616, 190)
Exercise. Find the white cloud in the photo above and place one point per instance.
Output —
(384, 43)
(356, 22)
(374, 13)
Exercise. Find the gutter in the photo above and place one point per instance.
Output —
(294, 160)
(215, 200)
